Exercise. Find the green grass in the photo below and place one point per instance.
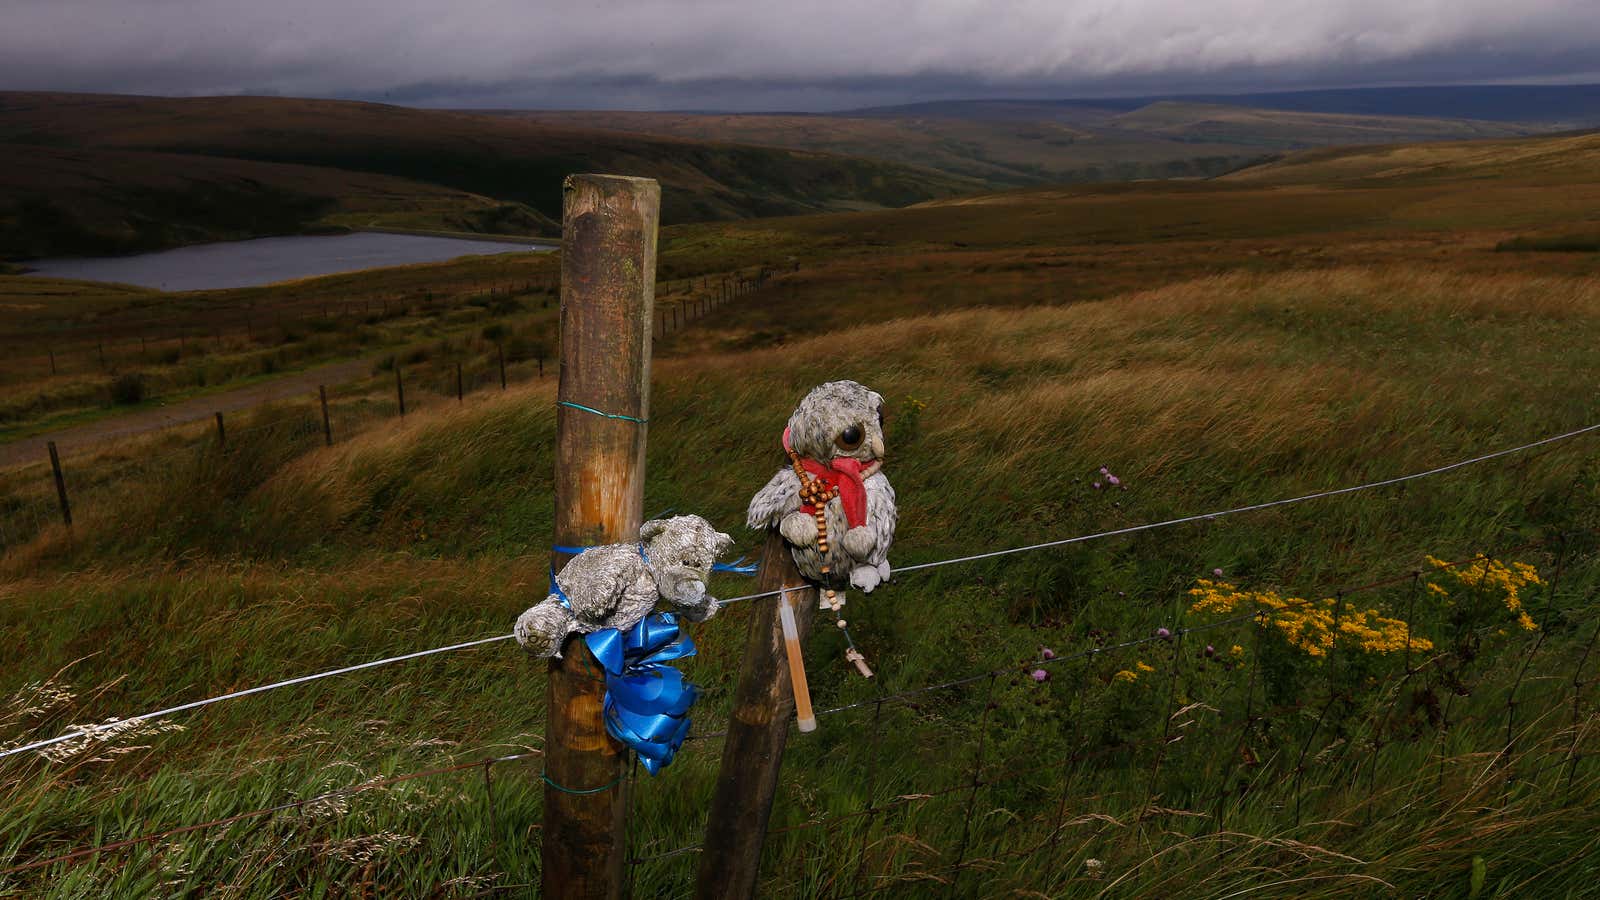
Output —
(282, 559)
(1211, 345)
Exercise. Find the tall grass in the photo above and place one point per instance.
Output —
(1206, 776)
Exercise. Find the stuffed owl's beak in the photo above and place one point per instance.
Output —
(877, 448)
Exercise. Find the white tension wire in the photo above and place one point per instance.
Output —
(89, 731)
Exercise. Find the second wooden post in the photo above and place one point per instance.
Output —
(758, 731)
(608, 265)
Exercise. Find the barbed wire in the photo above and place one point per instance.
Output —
(913, 568)
(197, 704)
(981, 778)
(1260, 617)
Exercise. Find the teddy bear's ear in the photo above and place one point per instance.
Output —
(652, 529)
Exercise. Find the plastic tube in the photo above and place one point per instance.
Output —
(807, 720)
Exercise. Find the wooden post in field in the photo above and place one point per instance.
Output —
(61, 485)
(500, 351)
(608, 264)
(222, 433)
(327, 428)
(52, 360)
(399, 390)
(758, 729)
(458, 382)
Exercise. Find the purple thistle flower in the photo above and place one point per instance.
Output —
(1210, 650)
(1113, 480)
(1104, 471)
(1097, 485)
(1217, 571)
(1040, 675)
(1047, 653)
(1163, 633)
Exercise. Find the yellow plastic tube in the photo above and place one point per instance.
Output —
(797, 666)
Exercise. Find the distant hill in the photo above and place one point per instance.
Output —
(1553, 159)
(1016, 143)
(79, 159)
(1571, 106)
(65, 201)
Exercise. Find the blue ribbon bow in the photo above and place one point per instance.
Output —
(647, 701)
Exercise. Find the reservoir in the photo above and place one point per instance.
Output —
(260, 261)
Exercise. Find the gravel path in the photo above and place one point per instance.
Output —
(78, 437)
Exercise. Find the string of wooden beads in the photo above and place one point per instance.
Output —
(815, 493)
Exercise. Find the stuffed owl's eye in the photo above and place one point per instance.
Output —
(850, 438)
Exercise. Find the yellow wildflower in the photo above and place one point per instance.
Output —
(1495, 578)
(1309, 625)
(1125, 677)
(1144, 667)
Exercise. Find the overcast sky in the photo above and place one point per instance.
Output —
(780, 54)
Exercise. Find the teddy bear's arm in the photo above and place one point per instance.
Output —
(882, 514)
(770, 504)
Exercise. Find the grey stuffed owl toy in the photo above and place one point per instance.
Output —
(617, 585)
(835, 446)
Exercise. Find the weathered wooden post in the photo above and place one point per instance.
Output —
(608, 264)
(758, 730)
(399, 390)
(327, 428)
(500, 351)
(222, 433)
(459, 393)
(61, 485)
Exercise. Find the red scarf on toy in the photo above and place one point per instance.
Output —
(843, 473)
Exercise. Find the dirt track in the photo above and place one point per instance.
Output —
(79, 437)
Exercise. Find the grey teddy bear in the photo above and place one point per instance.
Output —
(835, 434)
(617, 585)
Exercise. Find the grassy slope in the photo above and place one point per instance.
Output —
(1022, 143)
(55, 200)
(1557, 159)
(1405, 345)
(513, 162)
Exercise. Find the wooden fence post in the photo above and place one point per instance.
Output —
(758, 730)
(52, 360)
(399, 390)
(608, 264)
(458, 382)
(61, 485)
(500, 351)
(222, 433)
(327, 428)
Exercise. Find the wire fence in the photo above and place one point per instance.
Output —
(1219, 779)
(116, 342)
(98, 476)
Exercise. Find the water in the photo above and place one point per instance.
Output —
(266, 260)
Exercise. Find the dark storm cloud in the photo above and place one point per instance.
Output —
(777, 53)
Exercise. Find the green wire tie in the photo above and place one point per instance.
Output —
(590, 409)
(566, 790)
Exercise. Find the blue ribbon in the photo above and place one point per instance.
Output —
(647, 701)
(736, 568)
